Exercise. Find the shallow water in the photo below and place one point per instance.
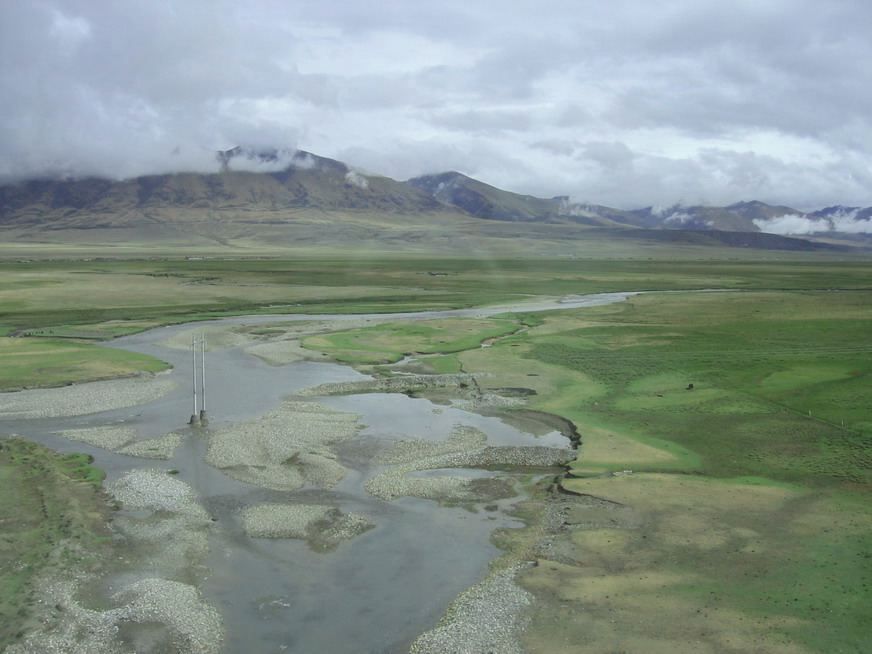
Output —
(375, 593)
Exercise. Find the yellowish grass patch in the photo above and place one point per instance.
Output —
(608, 447)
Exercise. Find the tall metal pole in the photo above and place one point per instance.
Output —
(203, 375)
(195, 417)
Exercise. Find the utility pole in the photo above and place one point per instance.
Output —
(203, 418)
(195, 416)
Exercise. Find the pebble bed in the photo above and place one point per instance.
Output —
(323, 526)
(81, 399)
(489, 401)
(158, 613)
(486, 619)
(217, 338)
(465, 448)
(122, 440)
(286, 449)
(107, 438)
(157, 491)
(394, 484)
(391, 384)
(282, 520)
(190, 625)
(162, 447)
(164, 524)
(345, 527)
(461, 439)
(279, 353)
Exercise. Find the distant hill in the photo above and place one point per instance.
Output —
(839, 223)
(300, 199)
(490, 203)
(308, 182)
(753, 240)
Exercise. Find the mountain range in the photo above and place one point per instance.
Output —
(293, 198)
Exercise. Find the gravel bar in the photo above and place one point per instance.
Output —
(106, 438)
(463, 449)
(82, 399)
(166, 528)
(286, 449)
(280, 353)
(325, 527)
(391, 384)
(282, 520)
(190, 625)
(157, 491)
(218, 337)
(153, 614)
(461, 439)
(122, 440)
(162, 447)
(486, 619)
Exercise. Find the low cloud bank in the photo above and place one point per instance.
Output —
(796, 224)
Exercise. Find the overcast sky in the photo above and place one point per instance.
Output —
(626, 103)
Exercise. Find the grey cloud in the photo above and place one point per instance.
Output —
(626, 103)
(609, 155)
(113, 88)
(556, 146)
(403, 160)
(571, 115)
(484, 120)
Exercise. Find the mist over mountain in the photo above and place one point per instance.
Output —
(293, 196)
(844, 223)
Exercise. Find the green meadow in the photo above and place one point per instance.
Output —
(745, 420)
(95, 299)
(46, 362)
(783, 378)
(390, 343)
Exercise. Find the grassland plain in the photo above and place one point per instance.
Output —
(765, 546)
(750, 490)
(31, 362)
(389, 343)
(95, 299)
(745, 420)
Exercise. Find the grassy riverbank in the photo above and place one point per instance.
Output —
(53, 518)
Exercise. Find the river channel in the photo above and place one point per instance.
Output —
(375, 592)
